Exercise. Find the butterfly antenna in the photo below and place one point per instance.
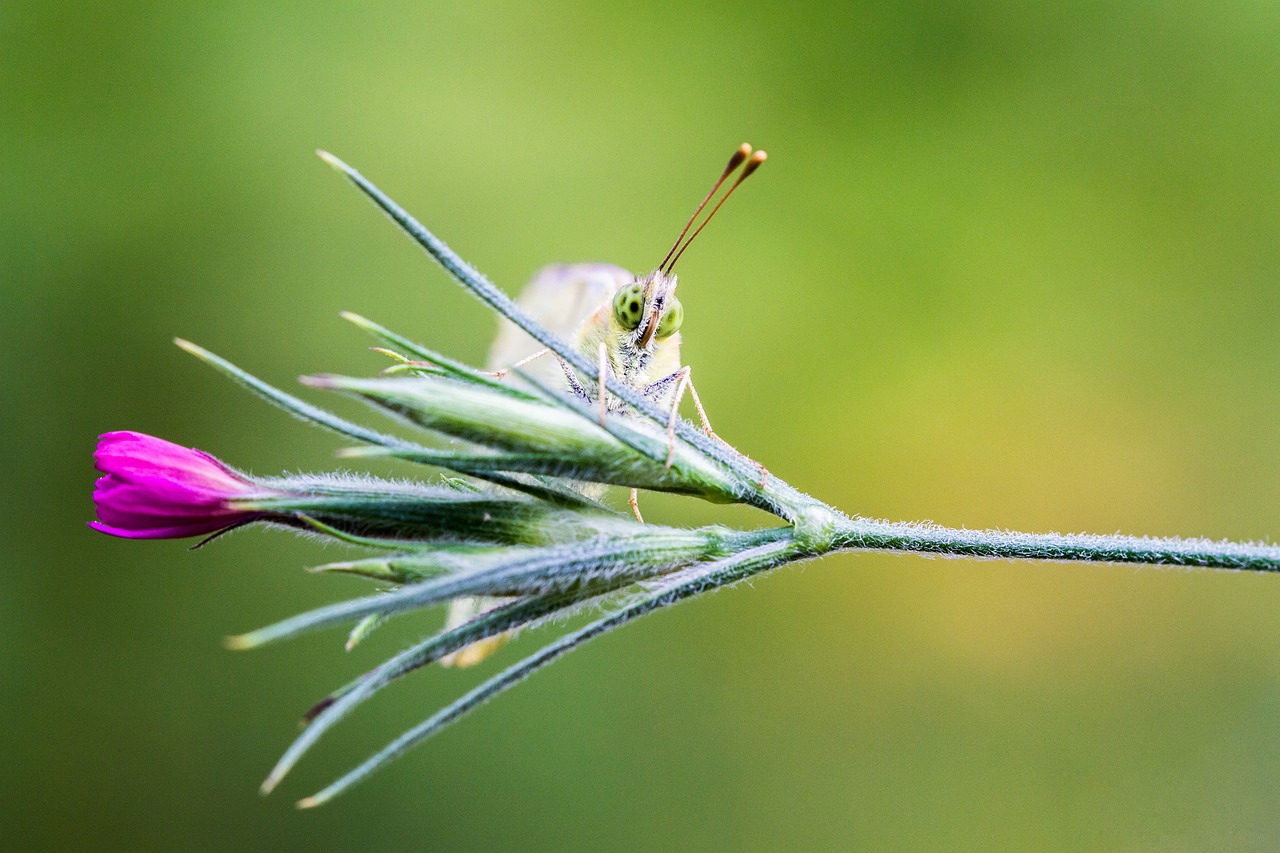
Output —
(739, 156)
(752, 164)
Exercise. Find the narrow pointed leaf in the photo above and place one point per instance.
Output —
(671, 590)
(540, 437)
(486, 291)
(339, 704)
(524, 571)
(363, 629)
(291, 404)
(449, 366)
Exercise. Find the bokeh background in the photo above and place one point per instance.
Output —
(1009, 265)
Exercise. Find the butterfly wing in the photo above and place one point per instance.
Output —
(560, 297)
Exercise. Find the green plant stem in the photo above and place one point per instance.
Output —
(649, 570)
(873, 535)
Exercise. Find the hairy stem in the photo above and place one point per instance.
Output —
(874, 535)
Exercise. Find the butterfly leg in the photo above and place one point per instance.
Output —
(684, 382)
(602, 394)
(574, 385)
(657, 390)
(498, 374)
(706, 425)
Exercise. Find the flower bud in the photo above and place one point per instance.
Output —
(155, 489)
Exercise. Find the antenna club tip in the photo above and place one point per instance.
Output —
(752, 164)
(743, 152)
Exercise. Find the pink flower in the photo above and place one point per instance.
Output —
(154, 489)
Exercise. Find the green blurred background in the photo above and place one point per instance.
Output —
(1008, 265)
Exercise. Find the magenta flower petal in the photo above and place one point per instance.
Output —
(131, 453)
(155, 489)
(178, 532)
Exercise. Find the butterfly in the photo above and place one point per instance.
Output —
(628, 325)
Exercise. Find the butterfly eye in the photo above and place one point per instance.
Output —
(671, 319)
(628, 306)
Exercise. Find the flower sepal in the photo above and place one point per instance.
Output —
(553, 436)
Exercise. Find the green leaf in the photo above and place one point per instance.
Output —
(678, 587)
(527, 571)
(447, 365)
(294, 406)
(536, 437)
